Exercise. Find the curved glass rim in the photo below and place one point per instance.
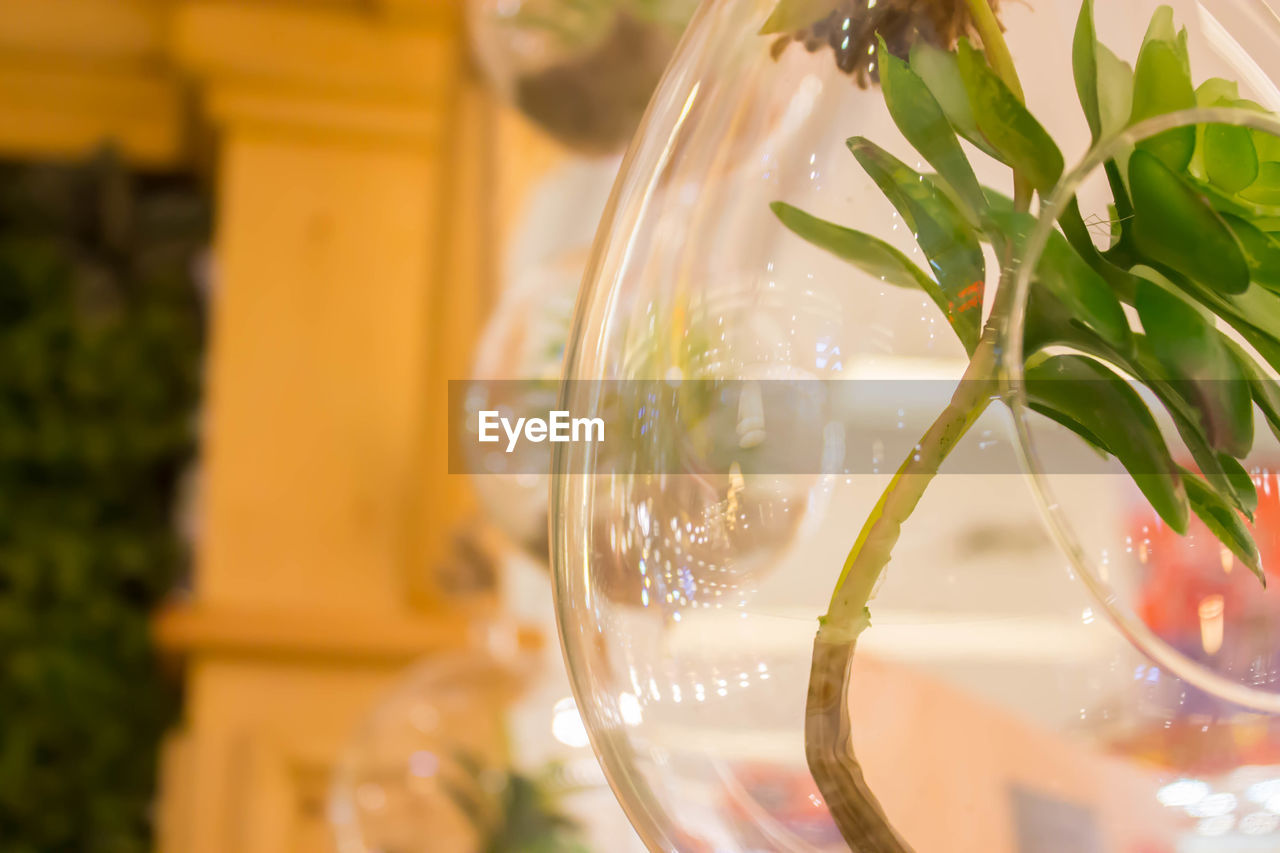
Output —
(1011, 367)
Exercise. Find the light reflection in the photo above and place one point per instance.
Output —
(1265, 791)
(1217, 825)
(629, 708)
(1211, 612)
(566, 723)
(423, 764)
(1214, 805)
(1259, 823)
(1183, 793)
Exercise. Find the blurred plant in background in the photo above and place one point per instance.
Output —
(415, 777)
(514, 812)
(582, 69)
(100, 342)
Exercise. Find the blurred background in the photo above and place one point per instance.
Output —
(243, 247)
(244, 608)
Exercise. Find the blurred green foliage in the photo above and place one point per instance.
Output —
(514, 812)
(100, 341)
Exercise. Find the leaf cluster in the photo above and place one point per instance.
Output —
(1193, 254)
(100, 339)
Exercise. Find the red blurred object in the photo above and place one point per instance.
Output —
(1199, 598)
(790, 801)
(1183, 572)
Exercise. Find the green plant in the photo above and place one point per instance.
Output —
(513, 812)
(1195, 250)
(100, 338)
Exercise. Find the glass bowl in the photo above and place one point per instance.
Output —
(424, 770)
(761, 393)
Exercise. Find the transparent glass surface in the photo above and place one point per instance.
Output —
(524, 338)
(1005, 696)
(425, 761)
(582, 69)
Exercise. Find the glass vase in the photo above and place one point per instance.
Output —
(770, 380)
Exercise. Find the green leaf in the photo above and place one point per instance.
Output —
(1265, 390)
(1230, 160)
(1254, 314)
(1069, 278)
(1161, 27)
(1211, 93)
(917, 114)
(942, 232)
(1115, 91)
(940, 71)
(1006, 125)
(1223, 522)
(1154, 276)
(874, 256)
(1267, 144)
(1258, 307)
(1175, 226)
(1162, 84)
(1085, 292)
(1242, 487)
(1217, 89)
(1266, 189)
(1049, 324)
(1221, 470)
(1187, 420)
(1086, 392)
(1199, 366)
(1261, 251)
(1075, 426)
(1267, 347)
(791, 15)
(1084, 64)
(1240, 494)
(1256, 311)
(998, 202)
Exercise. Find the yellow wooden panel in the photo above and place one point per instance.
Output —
(443, 14)
(317, 371)
(176, 808)
(248, 718)
(334, 634)
(319, 48)
(268, 733)
(116, 31)
(382, 121)
(61, 112)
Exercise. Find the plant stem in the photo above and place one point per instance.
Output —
(828, 727)
(1001, 62)
(997, 49)
(846, 615)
